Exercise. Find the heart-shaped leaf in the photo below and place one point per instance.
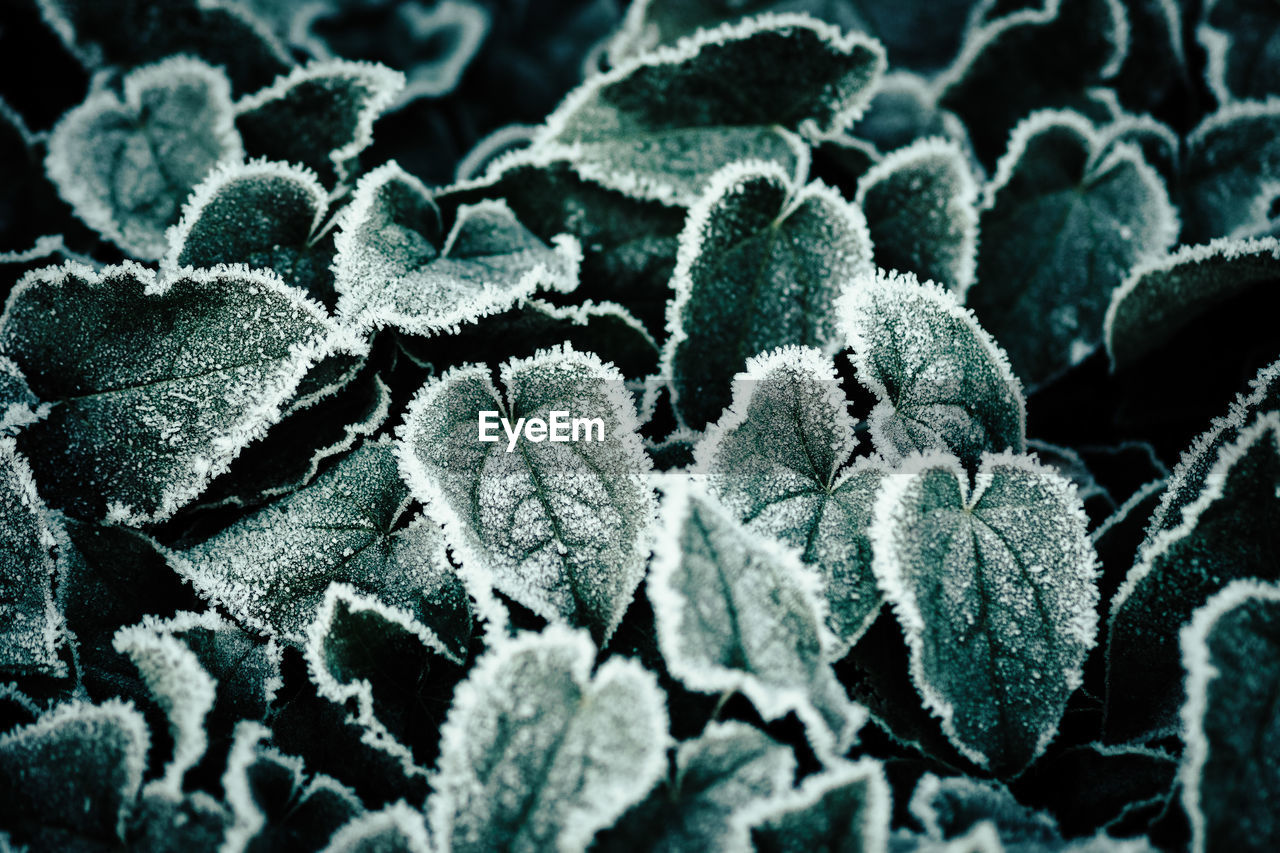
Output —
(556, 525)
(994, 589)
(271, 569)
(1228, 183)
(194, 369)
(761, 262)
(1062, 225)
(126, 166)
(1231, 766)
(778, 460)
(320, 115)
(734, 611)
(540, 753)
(942, 383)
(394, 266)
(660, 125)
(920, 207)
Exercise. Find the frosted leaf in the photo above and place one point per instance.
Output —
(777, 460)
(628, 244)
(18, 406)
(271, 569)
(920, 207)
(760, 265)
(844, 809)
(557, 526)
(395, 267)
(605, 328)
(1215, 541)
(538, 753)
(904, 110)
(650, 23)
(274, 804)
(942, 383)
(726, 771)
(320, 115)
(1231, 766)
(127, 33)
(69, 780)
(204, 673)
(1061, 226)
(995, 591)
(1239, 37)
(126, 166)
(1229, 172)
(1015, 64)
(264, 215)
(736, 611)
(1161, 297)
(660, 125)
(347, 646)
(395, 829)
(195, 369)
(1188, 479)
(30, 617)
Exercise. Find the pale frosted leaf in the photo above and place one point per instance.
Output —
(1240, 38)
(320, 115)
(126, 165)
(725, 771)
(905, 110)
(761, 262)
(1061, 227)
(30, 617)
(777, 461)
(195, 369)
(395, 267)
(556, 525)
(271, 569)
(1230, 772)
(1229, 172)
(1162, 297)
(942, 383)
(1215, 541)
(660, 125)
(71, 778)
(398, 828)
(274, 803)
(18, 406)
(994, 588)
(263, 215)
(920, 207)
(736, 611)
(844, 809)
(538, 753)
(1016, 63)
(127, 33)
(347, 647)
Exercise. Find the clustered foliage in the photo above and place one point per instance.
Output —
(934, 344)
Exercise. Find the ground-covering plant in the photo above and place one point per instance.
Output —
(925, 355)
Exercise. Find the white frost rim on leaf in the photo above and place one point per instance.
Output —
(1266, 425)
(255, 422)
(384, 82)
(963, 205)
(856, 309)
(224, 175)
(406, 822)
(476, 164)
(1226, 248)
(69, 132)
(902, 598)
(876, 807)
(472, 695)
(1198, 662)
(118, 713)
(771, 700)
(1122, 512)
